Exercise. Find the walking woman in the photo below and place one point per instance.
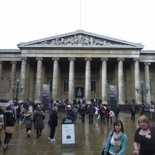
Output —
(117, 140)
(28, 123)
(38, 121)
(53, 122)
(9, 121)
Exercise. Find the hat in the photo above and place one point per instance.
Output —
(69, 106)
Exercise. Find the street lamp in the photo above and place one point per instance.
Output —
(142, 91)
(16, 89)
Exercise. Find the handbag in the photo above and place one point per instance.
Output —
(103, 152)
(9, 129)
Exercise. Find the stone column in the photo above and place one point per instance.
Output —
(22, 79)
(71, 94)
(88, 80)
(13, 78)
(32, 89)
(1, 78)
(137, 81)
(55, 79)
(27, 81)
(147, 82)
(38, 80)
(120, 81)
(104, 80)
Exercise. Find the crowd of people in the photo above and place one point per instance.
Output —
(30, 115)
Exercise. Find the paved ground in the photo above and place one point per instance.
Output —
(89, 139)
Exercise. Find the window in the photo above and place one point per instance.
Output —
(66, 85)
(93, 86)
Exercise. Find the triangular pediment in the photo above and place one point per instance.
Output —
(79, 39)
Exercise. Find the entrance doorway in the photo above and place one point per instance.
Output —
(79, 92)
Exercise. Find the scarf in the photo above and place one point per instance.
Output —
(117, 141)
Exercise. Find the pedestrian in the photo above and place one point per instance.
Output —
(96, 111)
(18, 111)
(9, 121)
(1, 121)
(116, 111)
(28, 123)
(117, 140)
(53, 122)
(82, 112)
(144, 138)
(38, 118)
(103, 113)
(91, 112)
(109, 114)
(49, 107)
(133, 112)
(142, 109)
(70, 112)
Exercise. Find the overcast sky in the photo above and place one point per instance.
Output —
(27, 20)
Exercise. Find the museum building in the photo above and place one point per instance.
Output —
(79, 64)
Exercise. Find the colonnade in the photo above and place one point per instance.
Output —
(71, 93)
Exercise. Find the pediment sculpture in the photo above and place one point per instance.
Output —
(78, 39)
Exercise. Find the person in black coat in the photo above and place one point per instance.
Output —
(91, 112)
(53, 122)
(82, 111)
(9, 120)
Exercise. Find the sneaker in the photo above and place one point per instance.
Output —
(49, 138)
(5, 148)
(52, 140)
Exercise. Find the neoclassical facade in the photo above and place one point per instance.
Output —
(79, 64)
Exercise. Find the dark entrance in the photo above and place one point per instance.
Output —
(79, 92)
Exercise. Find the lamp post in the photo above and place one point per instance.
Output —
(16, 89)
(142, 91)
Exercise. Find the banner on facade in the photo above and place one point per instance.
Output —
(46, 89)
(45, 94)
(112, 90)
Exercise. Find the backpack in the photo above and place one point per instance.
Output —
(103, 111)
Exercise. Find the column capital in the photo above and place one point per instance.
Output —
(137, 59)
(120, 59)
(71, 58)
(106, 59)
(147, 63)
(55, 58)
(88, 59)
(13, 62)
(23, 58)
(39, 58)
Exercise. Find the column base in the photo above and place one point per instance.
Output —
(138, 103)
(104, 102)
(37, 101)
(88, 102)
(121, 103)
